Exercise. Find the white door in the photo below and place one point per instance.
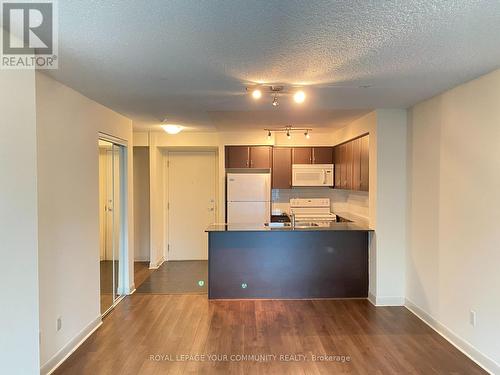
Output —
(192, 203)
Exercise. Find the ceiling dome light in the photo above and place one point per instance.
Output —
(172, 128)
(299, 96)
(256, 94)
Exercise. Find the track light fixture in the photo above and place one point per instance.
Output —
(299, 96)
(288, 130)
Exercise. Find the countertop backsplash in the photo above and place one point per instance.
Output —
(354, 202)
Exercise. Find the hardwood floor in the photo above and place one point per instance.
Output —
(177, 277)
(141, 273)
(382, 340)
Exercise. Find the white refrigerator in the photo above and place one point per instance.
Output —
(248, 198)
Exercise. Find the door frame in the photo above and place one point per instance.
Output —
(165, 153)
(124, 268)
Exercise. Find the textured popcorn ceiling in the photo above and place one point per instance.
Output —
(189, 61)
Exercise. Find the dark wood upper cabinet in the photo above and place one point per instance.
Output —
(237, 156)
(260, 157)
(322, 155)
(364, 163)
(337, 166)
(356, 163)
(248, 157)
(302, 155)
(282, 168)
(351, 161)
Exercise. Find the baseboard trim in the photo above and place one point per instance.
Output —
(464, 346)
(131, 289)
(386, 300)
(372, 299)
(155, 267)
(52, 364)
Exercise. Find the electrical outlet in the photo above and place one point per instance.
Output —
(472, 318)
(59, 324)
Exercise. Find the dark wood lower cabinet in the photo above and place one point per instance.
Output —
(291, 264)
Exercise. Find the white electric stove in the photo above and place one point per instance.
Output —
(312, 210)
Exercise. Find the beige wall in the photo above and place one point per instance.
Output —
(19, 321)
(453, 248)
(141, 204)
(391, 210)
(67, 126)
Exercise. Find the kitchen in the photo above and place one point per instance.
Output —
(270, 248)
(324, 179)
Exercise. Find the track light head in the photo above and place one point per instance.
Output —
(275, 101)
(299, 97)
(307, 134)
(256, 94)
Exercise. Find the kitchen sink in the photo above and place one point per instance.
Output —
(306, 225)
(277, 225)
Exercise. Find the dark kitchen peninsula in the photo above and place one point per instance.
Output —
(254, 261)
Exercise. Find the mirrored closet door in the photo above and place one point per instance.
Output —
(110, 222)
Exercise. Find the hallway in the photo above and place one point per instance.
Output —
(177, 277)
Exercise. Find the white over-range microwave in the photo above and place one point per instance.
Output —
(312, 175)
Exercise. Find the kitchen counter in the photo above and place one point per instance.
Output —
(333, 226)
(255, 261)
